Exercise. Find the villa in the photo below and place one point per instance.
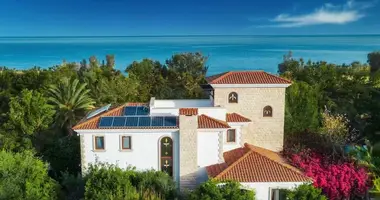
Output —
(236, 134)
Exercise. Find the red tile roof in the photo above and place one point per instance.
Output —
(188, 111)
(255, 164)
(205, 121)
(246, 77)
(234, 117)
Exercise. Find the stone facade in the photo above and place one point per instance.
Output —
(82, 154)
(266, 132)
(188, 165)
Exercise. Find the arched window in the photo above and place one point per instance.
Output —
(166, 157)
(233, 97)
(267, 111)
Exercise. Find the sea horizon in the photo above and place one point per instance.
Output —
(226, 52)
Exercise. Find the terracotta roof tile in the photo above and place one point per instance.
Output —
(234, 117)
(214, 170)
(188, 111)
(93, 122)
(246, 77)
(205, 121)
(254, 164)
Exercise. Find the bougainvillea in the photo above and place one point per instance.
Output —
(337, 180)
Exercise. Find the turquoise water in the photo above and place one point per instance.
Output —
(225, 52)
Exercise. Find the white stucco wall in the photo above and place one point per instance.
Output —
(144, 154)
(181, 103)
(263, 189)
(207, 152)
(215, 112)
(208, 148)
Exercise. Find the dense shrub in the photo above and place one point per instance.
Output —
(105, 181)
(337, 180)
(22, 176)
(212, 190)
(305, 192)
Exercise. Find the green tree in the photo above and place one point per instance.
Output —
(374, 61)
(22, 176)
(110, 61)
(213, 190)
(301, 111)
(305, 192)
(186, 72)
(93, 62)
(148, 75)
(29, 115)
(71, 100)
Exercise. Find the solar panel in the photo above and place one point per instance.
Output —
(157, 121)
(130, 110)
(142, 110)
(98, 111)
(106, 121)
(144, 121)
(132, 121)
(119, 121)
(170, 121)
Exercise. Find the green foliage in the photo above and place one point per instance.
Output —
(301, 111)
(213, 190)
(72, 186)
(149, 78)
(63, 155)
(22, 176)
(186, 72)
(376, 184)
(71, 101)
(105, 181)
(343, 89)
(29, 115)
(305, 192)
(374, 61)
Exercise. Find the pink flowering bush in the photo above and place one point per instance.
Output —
(337, 180)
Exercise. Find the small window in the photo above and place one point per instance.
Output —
(278, 194)
(126, 142)
(233, 97)
(267, 111)
(99, 142)
(231, 135)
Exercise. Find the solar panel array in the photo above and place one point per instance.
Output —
(136, 111)
(135, 122)
(98, 111)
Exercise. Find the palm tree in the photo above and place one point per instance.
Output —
(71, 100)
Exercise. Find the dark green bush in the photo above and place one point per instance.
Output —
(305, 192)
(22, 176)
(104, 181)
(213, 190)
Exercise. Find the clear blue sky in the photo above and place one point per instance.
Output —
(190, 17)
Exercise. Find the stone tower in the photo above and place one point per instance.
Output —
(258, 96)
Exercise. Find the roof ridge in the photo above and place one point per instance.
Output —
(277, 77)
(97, 117)
(251, 151)
(239, 116)
(217, 120)
(220, 77)
(278, 163)
(234, 163)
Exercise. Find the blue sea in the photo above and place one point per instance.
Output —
(225, 52)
